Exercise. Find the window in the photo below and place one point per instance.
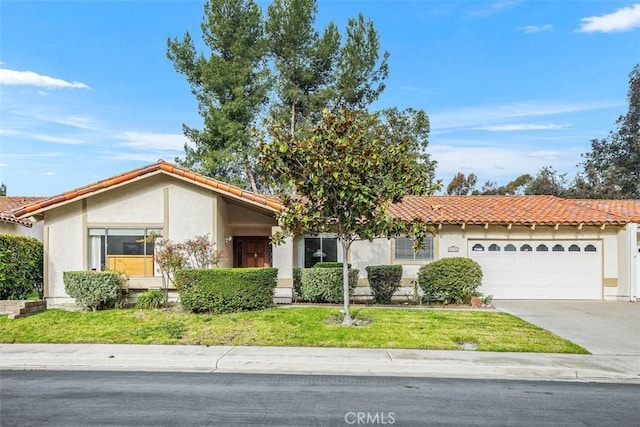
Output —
(122, 249)
(510, 248)
(320, 249)
(404, 250)
(525, 248)
(542, 248)
(494, 248)
(477, 247)
(589, 248)
(574, 248)
(558, 248)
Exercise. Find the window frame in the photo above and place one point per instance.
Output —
(432, 247)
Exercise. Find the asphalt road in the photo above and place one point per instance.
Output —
(87, 398)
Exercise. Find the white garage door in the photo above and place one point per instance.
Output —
(539, 269)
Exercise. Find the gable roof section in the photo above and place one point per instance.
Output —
(10, 203)
(516, 210)
(159, 167)
(626, 208)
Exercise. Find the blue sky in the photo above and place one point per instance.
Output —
(86, 90)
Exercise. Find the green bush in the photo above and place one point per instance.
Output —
(150, 299)
(384, 281)
(329, 265)
(226, 290)
(325, 284)
(297, 282)
(94, 289)
(20, 267)
(454, 280)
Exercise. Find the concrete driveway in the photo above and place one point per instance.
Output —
(602, 327)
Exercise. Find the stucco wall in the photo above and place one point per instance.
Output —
(35, 231)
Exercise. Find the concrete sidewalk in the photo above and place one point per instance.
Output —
(323, 361)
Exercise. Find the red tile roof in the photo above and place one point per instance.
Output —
(626, 208)
(160, 167)
(10, 203)
(516, 210)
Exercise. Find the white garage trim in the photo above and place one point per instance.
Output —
(523, 269)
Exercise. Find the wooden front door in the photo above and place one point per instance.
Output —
(252, 252)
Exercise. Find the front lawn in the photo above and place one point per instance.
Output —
(389, 328)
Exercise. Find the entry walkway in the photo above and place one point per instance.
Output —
(602, 327)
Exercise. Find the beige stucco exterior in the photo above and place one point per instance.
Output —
(34, 231)
(180, 209)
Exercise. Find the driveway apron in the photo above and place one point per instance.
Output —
(602, 327)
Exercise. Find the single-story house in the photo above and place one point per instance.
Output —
(529, 247)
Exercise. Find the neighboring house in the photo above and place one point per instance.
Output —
(530, 247)
(12, 225)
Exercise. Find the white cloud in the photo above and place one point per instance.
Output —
(3, 165)
(490, 9)
(29, 78)
(491, 162)
(493, 114)
(531, 29)
(41, 137)
(520, 126)
(153, 141)
(76, 121)
(624, 19)
(48, 173)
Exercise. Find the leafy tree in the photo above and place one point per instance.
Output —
(3, 189)
(612, 167)
(517, 186)
(303, 60)
(230, 85)
(462, 185)
(547, 181)
(346, 171)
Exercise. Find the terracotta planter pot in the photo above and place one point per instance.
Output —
(475, 302)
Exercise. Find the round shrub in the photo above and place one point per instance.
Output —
(454, 280)
(94, 289)
(297, 282)
(325, 284)
(384, 281)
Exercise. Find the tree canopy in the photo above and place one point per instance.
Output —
(345, 172)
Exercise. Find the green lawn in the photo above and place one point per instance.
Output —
(389, 328)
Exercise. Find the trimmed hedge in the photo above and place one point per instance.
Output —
(328, 264)
(297, 281)
(226, 290)
(454, 280)
(21, 264)
(325, 284)
(94, 289)
(384, 281)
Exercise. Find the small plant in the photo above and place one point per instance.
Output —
(150, 300)
(487, 300)
(297, 282)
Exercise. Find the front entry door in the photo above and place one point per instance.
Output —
(252, 252)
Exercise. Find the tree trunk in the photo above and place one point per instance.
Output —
(347, 321)
(293, 120)
(250, 177)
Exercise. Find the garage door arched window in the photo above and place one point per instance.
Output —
(590, 248)
(574, 248)
(558, 248)
(494, 248)
(542, 248)
(510, 248)
(477, 248)
(525, 248)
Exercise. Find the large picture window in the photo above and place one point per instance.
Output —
(320, 249)
(404, 250)
(122, 249)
